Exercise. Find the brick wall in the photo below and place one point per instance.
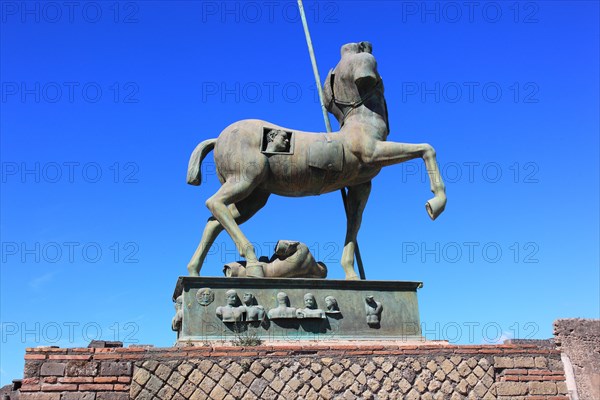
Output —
(77, 374)
(317, 370)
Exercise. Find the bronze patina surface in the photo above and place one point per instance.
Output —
(296, 309)
(255, 159)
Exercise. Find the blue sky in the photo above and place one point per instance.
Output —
(103, 102)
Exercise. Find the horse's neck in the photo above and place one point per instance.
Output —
(367, 121)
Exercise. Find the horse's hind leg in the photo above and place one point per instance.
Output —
(241, 211)
(211, 231)
(233, 191)
(355, 205)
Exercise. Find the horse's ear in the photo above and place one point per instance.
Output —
(349, 48)
(366, 47)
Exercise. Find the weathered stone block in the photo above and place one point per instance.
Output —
(504, 362)
(185, 369)
(141, 376)
(355, 369)
(542, 388)
(472, 379)
(78, 396)
(216, 372)
(412, 395)
(561, 387)
(166, 392)
(39, 396)
(134, 390)
(154, 384)
(435, 385)
(163, 372)
(82, 368)
(326, 393)
(257, 368)
(484, 363)
(207, 384)
(258, 386)
(196, 377)
(447, 366)
(53, 369)
(454, 376)
(511, 388)
(112, 396)
(462, 387)
(409, 375)
(268, 374)
(446, 387)
(478, 371)
(238, 390)
(176, 380)
(479, 390)
(524, 362)
(32, 369)
(187, 389)
(277, 384)
(432, 366)
(150, 365)
(541, 362)
(347, 379)
(198, 395)
(337, 369)
(115, 368)
(269, 394)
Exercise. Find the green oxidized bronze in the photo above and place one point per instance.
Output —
(255, 159)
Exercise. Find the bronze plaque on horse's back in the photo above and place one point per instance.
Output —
(327, 155)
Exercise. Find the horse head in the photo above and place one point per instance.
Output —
(354, 82)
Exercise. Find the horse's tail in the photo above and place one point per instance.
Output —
(194, 173)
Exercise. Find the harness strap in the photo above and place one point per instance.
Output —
(351, 105)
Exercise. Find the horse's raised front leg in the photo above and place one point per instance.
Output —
(241, 211)
(388, 153)
(356, 202)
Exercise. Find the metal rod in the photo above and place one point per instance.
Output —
(313, 61)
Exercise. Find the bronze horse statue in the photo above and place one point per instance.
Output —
(255, 159)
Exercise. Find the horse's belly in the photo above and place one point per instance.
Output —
(294, 180)
(293, 177)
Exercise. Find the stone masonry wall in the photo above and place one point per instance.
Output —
(579, 339)
(77, 374)
(296, 371)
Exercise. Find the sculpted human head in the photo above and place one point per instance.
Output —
(278, 140)
(310, 301)
(231, 296)
(248, 299)
(331, 303)
(282, 298)
(178, 303)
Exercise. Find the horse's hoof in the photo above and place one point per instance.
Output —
(255, 270)
(352, 277)
(435, 206)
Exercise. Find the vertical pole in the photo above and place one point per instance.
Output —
(313, 61)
